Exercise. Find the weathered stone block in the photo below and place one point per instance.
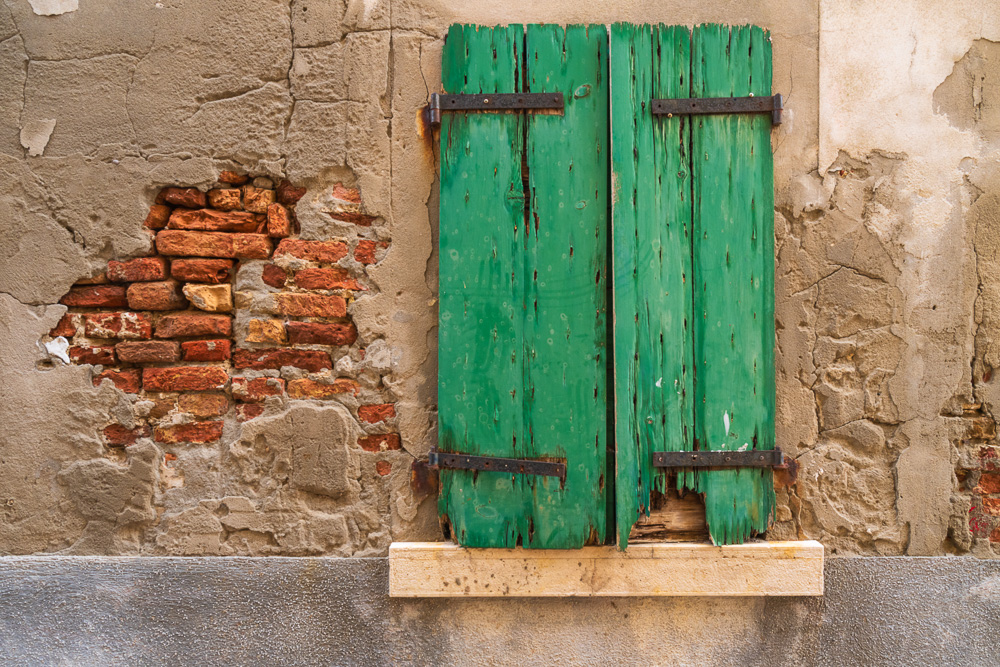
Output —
(256, 200)
(225, 199)
(211, 298)
(266, 331)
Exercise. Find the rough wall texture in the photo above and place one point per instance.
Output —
(887, 227)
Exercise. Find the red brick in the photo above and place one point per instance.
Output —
(165, 295)
(365, 250)
(127, 380)
(66, 326)
(92, 355)
(186, 197)
(185, 326)
(995, 535)
(232, 178)
(352, 195)
(256, 390)
(197, 432)
(288, 194)
(353, 218)
(318, 333)
(305, 388)
(96, 296)
(380, 443)
(150, 351)
(184, 378)
(204, 405)
(274, 276)
(206, 219)
(383, 468)
(314, 251)
(326, 279)
(157, 217)
(225, 199)
(310, 360)
(212, 271)
(132, 326)
(991, 506)
(248, 411)
(143, 269)
(213, 244)
(206, 350)
(989, 482)
(99, 279)
(117, 435)
(376, 413)
(256, 200)
(310, 305)
(279, 221)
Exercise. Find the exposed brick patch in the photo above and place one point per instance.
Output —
(342, 193)
(380, 443)
(186, 197)
(274, 276)
(326, 252)
(321, 333)
(96, 296)
(188, 325)
(199, 432)
(310, 360)
(66, 326)
(134, 326)
(383, 468)
(92, 355)
(157, 217)
(279, 221)
(256, 200)
(376, 413)
(184, 378)
(206, 219)
(248, 411)
(152, 351)
(288, 194)
(989, 482)
(213, 244)
(127, 380)
(204, 405)
(213, 271)
(232, 178)
(311, 389)
(310, 305)
(206, 350)
(366, 251)
(257, 390)
(117, 435)
(165, 295)
(353, 218)
(326, 279)
(138, 270)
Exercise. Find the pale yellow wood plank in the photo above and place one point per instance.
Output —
(442, 569)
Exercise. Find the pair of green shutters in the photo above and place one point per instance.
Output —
(606, 280)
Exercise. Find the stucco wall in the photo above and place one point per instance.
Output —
(887, 190)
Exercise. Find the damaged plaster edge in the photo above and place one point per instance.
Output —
(35, 135)
(53, 7)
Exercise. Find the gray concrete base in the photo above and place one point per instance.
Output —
(285, 611)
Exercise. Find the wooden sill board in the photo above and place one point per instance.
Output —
(444, 569)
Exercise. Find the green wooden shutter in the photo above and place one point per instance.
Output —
(523, 230)
(523, 237)
(694, 270)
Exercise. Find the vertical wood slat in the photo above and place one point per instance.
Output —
(522, 314)
(734, 273)
(651, 215)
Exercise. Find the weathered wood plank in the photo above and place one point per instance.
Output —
(522, 312)
(480, 364)
(734, 274)
(565, 237)
(435, 569)
(652, 262)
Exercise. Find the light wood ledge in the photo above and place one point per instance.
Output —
(444, 569)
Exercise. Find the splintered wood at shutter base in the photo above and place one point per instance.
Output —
(534, 379)
(672, 518)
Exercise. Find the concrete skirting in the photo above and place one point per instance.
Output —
(319, 611)
(443, 569)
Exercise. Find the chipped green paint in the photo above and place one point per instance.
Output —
(652, 262)
(733, 277)
(521, 350)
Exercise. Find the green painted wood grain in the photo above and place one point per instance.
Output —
(522, 313)
(652, 263)
(481, 323)
(734, 274)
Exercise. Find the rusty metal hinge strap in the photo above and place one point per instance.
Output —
(436, 459)
(756, 458)
(720, 105)
(491, 102)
